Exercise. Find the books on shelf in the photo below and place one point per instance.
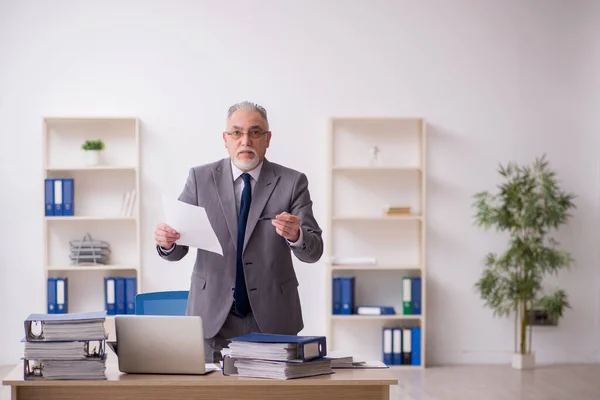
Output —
(391, 210)
(65, 346)
(128, 204)
(263, 355)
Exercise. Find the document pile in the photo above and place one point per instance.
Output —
(65, 346)
(260, 355)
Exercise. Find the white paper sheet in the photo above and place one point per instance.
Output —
(192, 224)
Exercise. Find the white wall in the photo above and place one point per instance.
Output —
(497, 81)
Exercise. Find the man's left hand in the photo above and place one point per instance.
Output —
(288, 226)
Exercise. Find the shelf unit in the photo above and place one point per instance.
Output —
(359, 190)
(99, 192)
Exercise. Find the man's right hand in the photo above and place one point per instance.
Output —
(165, 236)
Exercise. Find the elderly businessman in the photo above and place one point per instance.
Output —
(261, 213)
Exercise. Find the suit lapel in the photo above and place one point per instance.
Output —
(224, 181)
(262, 191)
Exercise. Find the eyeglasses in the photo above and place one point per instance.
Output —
(254, 134)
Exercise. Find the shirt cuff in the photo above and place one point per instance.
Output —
(299, 242)
(167, 251)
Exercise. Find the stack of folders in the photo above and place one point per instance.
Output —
(65, 346)
(260, 355)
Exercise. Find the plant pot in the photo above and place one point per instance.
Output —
(92, 157)
(523, 361)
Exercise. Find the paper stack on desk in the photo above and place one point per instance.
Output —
(65, 346)
(260, 355)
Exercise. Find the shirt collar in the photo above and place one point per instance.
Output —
(255, 173)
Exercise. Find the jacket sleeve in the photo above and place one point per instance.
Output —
(188, 195)
(312, 246)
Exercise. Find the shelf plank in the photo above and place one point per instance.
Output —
(374, 267)
(370, 120)
(88, 119)
(88, 218)
(99, 267)
(355, 317)
(375, 169)
(378, 218)
(95, 168)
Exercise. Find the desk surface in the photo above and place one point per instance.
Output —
(346, 377)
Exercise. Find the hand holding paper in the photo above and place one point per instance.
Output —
(192, 225)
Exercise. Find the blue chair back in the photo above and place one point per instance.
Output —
(161, 303)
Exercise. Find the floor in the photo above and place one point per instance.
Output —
(576, 382)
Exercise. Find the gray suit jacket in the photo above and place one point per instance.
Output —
(270, 277)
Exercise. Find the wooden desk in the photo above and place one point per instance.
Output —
(366, 384)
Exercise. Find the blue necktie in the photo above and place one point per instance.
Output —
(242, 304)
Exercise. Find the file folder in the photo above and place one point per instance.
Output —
(387, 346)
(416, 346)
(120, 295)
(51, 294)
(67, 186)
(92, 368)
(396, 346)
(375, 310)
(130, 292)
(49, 197)
(406, 346)
(109, 296)
(347, 286)
(336, 296)
(71, 326)
(58, 197)
(61, 296)
(406, 296)
(307, 347)
(416, 295)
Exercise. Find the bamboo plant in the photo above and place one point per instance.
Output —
(529, 205)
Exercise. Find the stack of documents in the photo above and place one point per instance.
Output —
(282, 370)
(65, 346)
(78, 350)
(70, 326)
(260, 355)
(268, 351)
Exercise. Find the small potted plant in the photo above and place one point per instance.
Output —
(528, 207)
(92, 151)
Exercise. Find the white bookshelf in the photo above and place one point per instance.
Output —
(98, 197)
(358, 227)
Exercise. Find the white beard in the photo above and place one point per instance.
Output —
(247, 165)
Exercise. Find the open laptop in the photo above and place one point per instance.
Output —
(157, 344)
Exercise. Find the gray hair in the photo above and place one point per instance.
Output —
(248, 106)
